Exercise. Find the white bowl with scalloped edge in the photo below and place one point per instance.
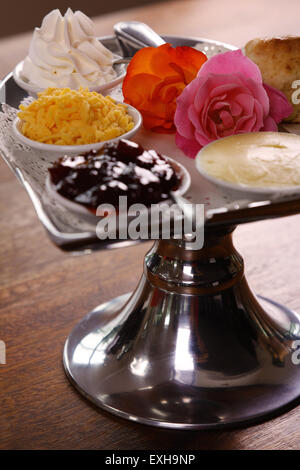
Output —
(33, 90)
(241, 191)
(77, 149)
(90, 216)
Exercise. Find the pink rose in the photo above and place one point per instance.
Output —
(227, 97)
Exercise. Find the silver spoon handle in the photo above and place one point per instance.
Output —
(138, 34)
(122, 60)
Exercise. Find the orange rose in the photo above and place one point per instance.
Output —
(155, 77)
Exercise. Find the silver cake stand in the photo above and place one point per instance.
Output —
(192, 347)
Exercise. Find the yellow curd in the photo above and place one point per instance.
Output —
(62, 116)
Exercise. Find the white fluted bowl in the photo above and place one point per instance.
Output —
(77, 149)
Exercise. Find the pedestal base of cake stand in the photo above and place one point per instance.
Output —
(192, 347)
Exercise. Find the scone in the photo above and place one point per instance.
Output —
(279, 63)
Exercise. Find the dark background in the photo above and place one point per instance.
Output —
(23, 15)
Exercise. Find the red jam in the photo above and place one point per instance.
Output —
(123, 168)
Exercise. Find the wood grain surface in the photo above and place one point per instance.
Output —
(44, 292)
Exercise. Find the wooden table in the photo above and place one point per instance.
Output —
(44, 293)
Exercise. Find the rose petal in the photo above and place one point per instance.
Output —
(193, 116)
(246, 102)
(134, 88)
(188, 94)
(280, 108)
(189, 147)
(260, 95)
(206, 109)
(227, 119)
(213, 86)
(189, 59)
(151, 121)
(229, 63)
(201, 122)
(211, 129)
(235, 108)
(185, 60)
(260, 117)
(141, 62)
(269, 124)
(219, 105)
(245, 124)
(167, 90)
(227, 88)
(183, 125)
(202, 139)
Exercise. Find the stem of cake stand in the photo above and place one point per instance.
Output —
(192, 347)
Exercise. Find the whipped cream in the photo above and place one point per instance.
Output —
(64, 52)
(262, 159)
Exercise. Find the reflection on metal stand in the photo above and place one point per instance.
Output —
(192, 347)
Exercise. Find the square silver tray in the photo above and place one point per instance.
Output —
(73, 234)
